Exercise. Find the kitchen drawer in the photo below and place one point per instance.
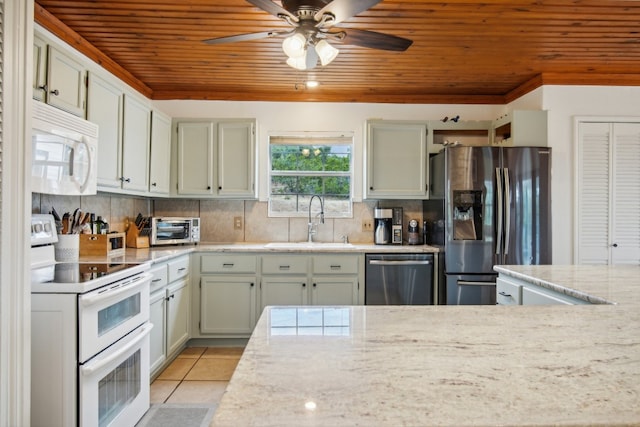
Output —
(284, 264)
(335, 264)
(228, 264)
(178, 268)
(508, 292)
(160, 277)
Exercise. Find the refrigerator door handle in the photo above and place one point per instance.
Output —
(499, 211)
(507, 210)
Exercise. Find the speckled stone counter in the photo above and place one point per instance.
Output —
(448, 365)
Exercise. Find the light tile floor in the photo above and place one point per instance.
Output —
(198, 375)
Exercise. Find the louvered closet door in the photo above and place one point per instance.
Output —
(625, 223)
(608, 205)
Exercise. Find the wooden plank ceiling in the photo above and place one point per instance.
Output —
(463, 51)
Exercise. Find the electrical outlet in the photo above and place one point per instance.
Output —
(237, 222)
(367, 225)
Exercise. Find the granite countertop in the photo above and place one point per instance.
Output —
(448, 365)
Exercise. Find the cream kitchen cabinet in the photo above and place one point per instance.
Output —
(521, 128)
(318, 279)
(469, 133)
(228, 294)
(58, 79)
(396, 160)
(514, 291)
(124, 137)
(169, 311)
(160, 160)
(216, 159)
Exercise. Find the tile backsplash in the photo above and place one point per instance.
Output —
(217, 216)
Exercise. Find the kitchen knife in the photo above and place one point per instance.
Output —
(138, 221)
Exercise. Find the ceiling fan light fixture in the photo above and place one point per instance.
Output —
(326, 52)
(295, 46)
(307, 61)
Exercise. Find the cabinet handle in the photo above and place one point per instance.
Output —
(55, 92)
(219, 188)
(227, 265)
(208, 187)
(304, 285)
(314, 285)
(284, 267)
(615, 245)
(370, 188)
(504, 294)
(335, 267)
(156, 280)
(173, 295)
(153, 184)
(252, 285)
(123, 179)
(182, 269)
(44, 88)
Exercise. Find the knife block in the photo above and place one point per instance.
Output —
(135, 240)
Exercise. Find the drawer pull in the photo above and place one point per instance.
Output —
(336, 267)
(156, 280)
(182, 269)
(304, 285)
(504, 294)
(314, 285)
(227, 265)
(284, 267)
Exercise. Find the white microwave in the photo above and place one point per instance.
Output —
(64, 152)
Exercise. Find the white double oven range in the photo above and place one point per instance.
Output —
(90, 338)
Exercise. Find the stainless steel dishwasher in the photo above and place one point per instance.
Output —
(399, 279)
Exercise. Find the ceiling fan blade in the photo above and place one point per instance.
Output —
(273, 8)
(245, 37)
(344, 9)
(374, 40)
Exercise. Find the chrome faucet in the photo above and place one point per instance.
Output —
(311, 230)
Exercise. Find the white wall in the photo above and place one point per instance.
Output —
(273, 117)
(564, 103)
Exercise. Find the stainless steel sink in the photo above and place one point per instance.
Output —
(307, 245)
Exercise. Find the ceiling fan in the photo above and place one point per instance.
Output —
(314, 25)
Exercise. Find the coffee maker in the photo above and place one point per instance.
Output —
(382, 226)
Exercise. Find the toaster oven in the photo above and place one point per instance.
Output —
(174, 230)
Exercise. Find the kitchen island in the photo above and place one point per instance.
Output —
(448, 365)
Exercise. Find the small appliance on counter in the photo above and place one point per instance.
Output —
(414, 233)
(382, 226)
(173, 230)
(396, 226)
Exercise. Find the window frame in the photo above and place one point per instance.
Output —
(311, 138)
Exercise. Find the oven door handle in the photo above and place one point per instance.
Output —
(380, 262)
(111, 291)
(99, 363)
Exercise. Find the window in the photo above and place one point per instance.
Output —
(301, 166)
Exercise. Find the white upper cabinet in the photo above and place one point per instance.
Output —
(396, 160)
(160, 154)
(236, 159)
(608, 194)
(58, 79)
(195, 158)
(65, 82)
(136, 139)
(216, 159)
(104, 108)
(521, 128)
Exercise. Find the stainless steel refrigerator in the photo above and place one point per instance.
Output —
(488, 206)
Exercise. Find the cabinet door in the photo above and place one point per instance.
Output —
(136, 137)
(104, 108)
(157, 339)
(160, 154)
(236, 147)
(177, 315)
(283, 290)
(227, 304)
(396, 160)
(336, 290)
(39, 68)
(195, 158)
(66, 84)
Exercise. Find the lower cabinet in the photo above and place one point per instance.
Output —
(235, 288)
(169, 311)
(513, 291)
